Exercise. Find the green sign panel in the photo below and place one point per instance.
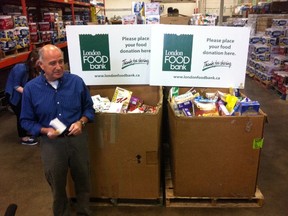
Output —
(95, 55)
(177, 52)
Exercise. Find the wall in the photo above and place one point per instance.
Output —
(213, 6)
(124, 7)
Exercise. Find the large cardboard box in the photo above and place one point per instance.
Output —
(125, 148)
(214, 156)
(175, 20)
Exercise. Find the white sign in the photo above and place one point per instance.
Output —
(199, 56)
(110, 54)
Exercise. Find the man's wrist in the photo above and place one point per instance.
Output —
(83, 123)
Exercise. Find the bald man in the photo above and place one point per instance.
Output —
(55, 107)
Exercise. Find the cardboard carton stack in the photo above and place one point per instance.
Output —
(214, 156)
(268, 55)
(125, 148)
(14, 32)
(143, 13)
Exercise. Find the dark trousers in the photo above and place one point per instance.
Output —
(58, 155)
(17, 110)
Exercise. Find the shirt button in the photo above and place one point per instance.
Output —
(58, 102)
(59, 114)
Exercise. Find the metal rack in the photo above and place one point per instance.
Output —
(19, 57)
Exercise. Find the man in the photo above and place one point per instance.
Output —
(64, 97)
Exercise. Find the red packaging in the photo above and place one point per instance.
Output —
(33, 27)
(43, 36)
(6, 22)
(34, 37)
(48, 36)
(44, 26)
(134, 103)
(49, 17)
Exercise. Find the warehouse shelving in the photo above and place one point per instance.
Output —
(10, 60)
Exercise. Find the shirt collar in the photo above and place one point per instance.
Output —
(61, 80)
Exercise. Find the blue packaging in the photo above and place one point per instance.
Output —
(186, 104)
(249, 108)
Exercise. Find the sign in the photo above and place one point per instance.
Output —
(110, 54)
(199, 56)
(163, 55)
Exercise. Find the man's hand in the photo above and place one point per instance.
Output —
(51, 133)
(75, 129)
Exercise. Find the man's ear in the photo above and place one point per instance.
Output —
(40, 65)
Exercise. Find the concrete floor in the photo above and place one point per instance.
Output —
(22, 180)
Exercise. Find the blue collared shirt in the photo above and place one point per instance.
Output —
(41, 102)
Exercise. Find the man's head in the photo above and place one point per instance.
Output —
(51, 62)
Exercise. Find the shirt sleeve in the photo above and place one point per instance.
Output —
(87, 104)
(19, 73)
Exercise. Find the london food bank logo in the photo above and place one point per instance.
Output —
(95, 55)
(177, 53)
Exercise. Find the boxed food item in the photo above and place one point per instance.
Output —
(214, 156)
(255, 39)
(275, 32)
(22, 43)
(7, 34)
(152, 8)
(125, 147)
(248, 108)
(280, 60)
(138, 8)
(49, 17)
(6, 22)
(44, 26)
(122, 96)
(283, 41)
(152, 19)
(260, 57)
(7, 45)
(34, 37)
(129, 20)
(21, 32)
(279, 22)
(33, 27)
(20, 21)
(270, 41)
(259, 49)
(43, 36)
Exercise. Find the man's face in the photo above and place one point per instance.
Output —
(52, 64)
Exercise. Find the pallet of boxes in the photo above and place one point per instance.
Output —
(216, 137)
(267, 59)
(124, 145)
(14, 34)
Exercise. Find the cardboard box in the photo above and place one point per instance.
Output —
(125, 148)
(214, 156)
(175, 20)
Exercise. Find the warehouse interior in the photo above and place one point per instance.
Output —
(22, 180)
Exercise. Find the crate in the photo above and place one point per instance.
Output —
(125, 149)
(214, 156)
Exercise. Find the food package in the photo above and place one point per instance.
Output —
(123, 96)
(100, 104)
